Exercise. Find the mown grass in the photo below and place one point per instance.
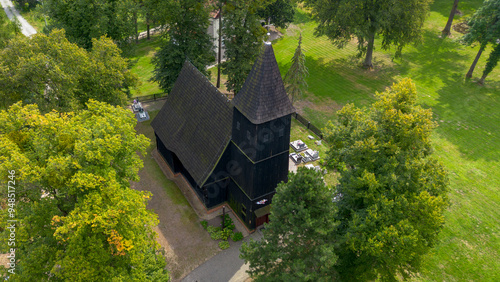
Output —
(155, 172)
(140, 56)
(467, 140)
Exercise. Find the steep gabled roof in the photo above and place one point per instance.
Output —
(263, 98)
(195, 123)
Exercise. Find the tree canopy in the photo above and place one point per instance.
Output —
(295, 78)
(392, 192)
(280, 12)
(56, 74)
(484, 29)
(186, 38)
(243, 36)
(296, 245)
(397, 22)
(77, 217)
(85, 20)
(8, 29)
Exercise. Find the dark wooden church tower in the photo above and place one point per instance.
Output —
(234, 152)
(260, 137)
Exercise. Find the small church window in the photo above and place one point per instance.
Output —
(238, 125)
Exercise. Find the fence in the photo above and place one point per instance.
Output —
(308, 124)
(152, 97)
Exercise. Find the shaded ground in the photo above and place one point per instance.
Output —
(186, 243)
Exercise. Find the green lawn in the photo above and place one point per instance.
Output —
(140, 56)
(467, 140)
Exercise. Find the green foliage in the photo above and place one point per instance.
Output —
(281, 12)
(187, 39)
(56, 74)
(297, 243)
(484, 24)
(392, 196)
(216, 235)
(226, 233)
(485, 29)
(77, 217)
(492, 62)
(8, 29)
(295, 78)
(26, 4)
(397, 22)
(228, 222)
(212, 229)
(85, 20)
(224, 245)
(236, 236)
(243, 36)
(204, 223)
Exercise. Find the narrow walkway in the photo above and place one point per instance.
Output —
(225, 266)
(11, 12)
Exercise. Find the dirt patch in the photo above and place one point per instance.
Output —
(325, 106)
(4, 260)
(461, 27)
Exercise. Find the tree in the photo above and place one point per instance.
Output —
(295, 78)
(296, 245)
(243, 36)
(56, 74)
(391, 194)
(84, 20)
(280, 12)
(447, 28)
(186, 38)
(8, 29)
(397, 22)
(484, 29)
(491, 63)
(77, 217)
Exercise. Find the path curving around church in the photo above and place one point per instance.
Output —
(12, 12)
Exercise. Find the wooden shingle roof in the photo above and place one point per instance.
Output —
(195, 123)
(263, 97)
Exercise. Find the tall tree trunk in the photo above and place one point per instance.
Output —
(147, 26)
(369, 52)
(473, 66)
(220, 45)
(136, 27)
(447, 28)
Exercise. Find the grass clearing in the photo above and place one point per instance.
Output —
(467, 140)
(140, 56)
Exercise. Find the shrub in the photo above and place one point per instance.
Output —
(226, 233)
(228, 222)
(217, 235)
(236, 236)
(212, 229)
(204, 223)
(223, 245)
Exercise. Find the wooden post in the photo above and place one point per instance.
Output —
(223, 216)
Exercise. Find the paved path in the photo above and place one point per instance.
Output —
(225, 266)
(11, 12)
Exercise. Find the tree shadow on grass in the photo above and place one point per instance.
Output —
(467, 7)
(469, 117)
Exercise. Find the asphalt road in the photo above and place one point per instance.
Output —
(225, 266)
(11, 12)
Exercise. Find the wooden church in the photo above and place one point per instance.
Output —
(229, 151)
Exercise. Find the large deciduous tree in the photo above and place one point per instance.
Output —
(392, 193)
(77, 219)
(397, 22)
(84, 20)
(56, 74)
(186, 38)
(484, 29)
(296, 245)
(295, 78)
(280, 12)
(243, 36)
(8, 29)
